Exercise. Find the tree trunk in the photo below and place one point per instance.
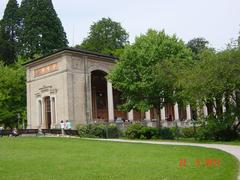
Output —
(219, 106)
(158, 117)
(210, 107)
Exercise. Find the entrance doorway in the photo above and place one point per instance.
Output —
(99, 96)
(47, 112)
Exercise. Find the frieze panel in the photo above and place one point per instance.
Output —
(45, 69)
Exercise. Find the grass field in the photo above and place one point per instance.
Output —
(192, 140)
(65, 158)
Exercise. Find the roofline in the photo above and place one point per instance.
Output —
(72, 50)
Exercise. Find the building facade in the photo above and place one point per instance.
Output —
(71, 84)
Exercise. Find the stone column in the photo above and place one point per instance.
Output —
(130, 115)
(214, 109)
(198, 112)
(176, 112)
(90, 97)
(39, 113)
(163, 114)
(205, 111)
(188, 109)
(148, 115)
(53, 112)
(110, 102)
(223, 105)
(43, 123)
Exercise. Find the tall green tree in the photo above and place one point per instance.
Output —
(197, 45)
(214, 80)
(12, 93)
(8, 32)
(106, 36)
(147, 71)
(41, 30)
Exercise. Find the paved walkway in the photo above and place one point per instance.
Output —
(232, 149)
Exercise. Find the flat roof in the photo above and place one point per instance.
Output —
(73, 50)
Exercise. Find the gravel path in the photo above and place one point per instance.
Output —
(232, 149)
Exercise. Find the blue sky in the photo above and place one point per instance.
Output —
(216, 20)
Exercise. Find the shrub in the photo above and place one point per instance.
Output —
(113, 131)
(149, 132)
(83, 130)
(187, 132)
(166, 133)
(218, 129)
(176, 131)
(134, 131)
(138, 131)
(99, 131)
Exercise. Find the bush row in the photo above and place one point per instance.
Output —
(138, 131)
(99, 131)
(134, 131)
(217, 129)
(207, 129)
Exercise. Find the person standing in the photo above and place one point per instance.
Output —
(1, 131)
(62, 126)
(68, 125)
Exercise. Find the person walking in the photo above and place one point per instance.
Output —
(62, 126)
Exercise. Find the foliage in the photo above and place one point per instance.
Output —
(214, 77)
(147, 70)
(134, 131)
(12, 93)
(166, 133)
(187, 132)
(41, 29)
(99, 131)
(176, 132)
(106, 36)
(138, 131)
(197, 45)
(218, 129)
(9, 27)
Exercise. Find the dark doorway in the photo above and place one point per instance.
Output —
(47, 112)
(99, 96)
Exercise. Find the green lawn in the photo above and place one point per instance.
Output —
(192, 140)
(65, 158)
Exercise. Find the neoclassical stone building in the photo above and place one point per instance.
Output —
(70, 84)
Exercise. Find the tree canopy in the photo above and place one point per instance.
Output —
(9, 27)
(146, 72)
(197, 45)
(105, 36)
(41, 29)
(12, 93)
(214, 81)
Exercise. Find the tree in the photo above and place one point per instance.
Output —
(146, 72)
(41, 30)
(106, 36)
(197, 45)
(12, 93)
(8, 32)
(214, 80)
